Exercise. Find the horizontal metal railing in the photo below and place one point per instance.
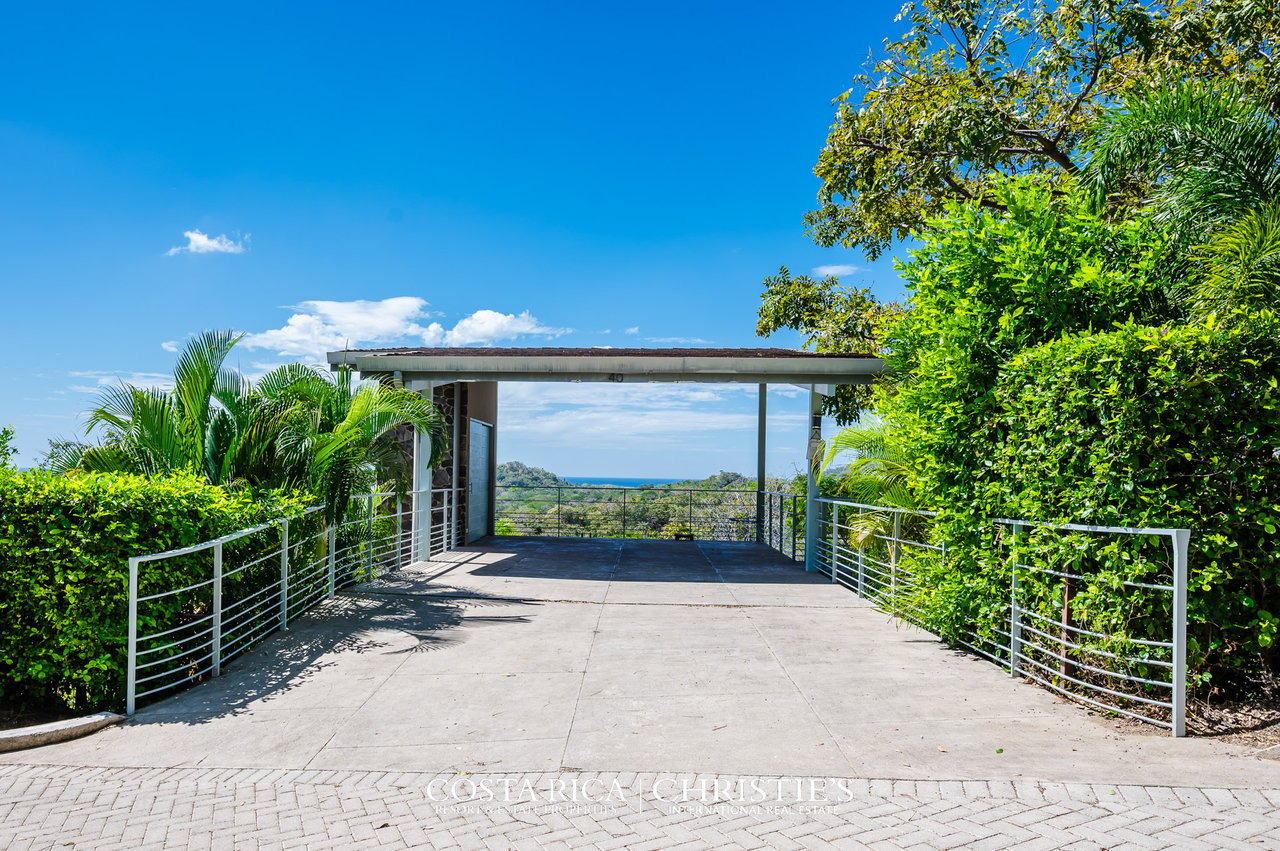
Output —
(1137, 668)
(782, 523)
(194, 608)
(595, 511)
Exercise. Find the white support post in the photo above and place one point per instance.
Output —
(893, 559)
(284, 574)
(835, 539)
(1181, 541)
(862, 573)
(1015, 615)
(369, 544)
(399, 532)
(131, 686)
(333, 561)
(420, 537)
(811, 504)
(452, 535)
(761, 429)
(217, 610)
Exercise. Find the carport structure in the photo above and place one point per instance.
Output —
(456, 502)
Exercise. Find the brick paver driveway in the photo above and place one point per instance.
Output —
(624, 694)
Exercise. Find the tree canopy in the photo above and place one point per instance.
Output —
(974, 92)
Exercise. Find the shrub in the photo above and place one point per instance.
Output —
(1140, 426)
(986, 286)
(1160, 427)
(65, 543)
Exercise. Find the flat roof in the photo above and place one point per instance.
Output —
(708, 365)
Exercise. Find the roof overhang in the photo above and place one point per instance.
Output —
(755, 366)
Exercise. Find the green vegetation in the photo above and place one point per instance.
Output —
(974, 93)
(297, 427)
(533, 501)
(215, 454)
(65, 542)
(1090, 334)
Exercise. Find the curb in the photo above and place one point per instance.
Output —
(55, 731)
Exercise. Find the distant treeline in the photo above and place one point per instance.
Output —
(534, 501)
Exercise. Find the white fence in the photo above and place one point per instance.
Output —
(1134, 666)
(193, 609)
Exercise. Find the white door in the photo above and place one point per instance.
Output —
(479, 461)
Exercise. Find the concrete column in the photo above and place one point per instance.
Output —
(420, 522)
(761, 419)
(812, 459)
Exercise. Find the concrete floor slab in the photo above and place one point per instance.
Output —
(545, 655)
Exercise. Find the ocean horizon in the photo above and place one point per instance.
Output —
(621, 481)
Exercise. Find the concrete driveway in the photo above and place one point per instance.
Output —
(542, 655)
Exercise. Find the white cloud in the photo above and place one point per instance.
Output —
(687, 341)
(169, 345)
(199, 242)
(102, 379)
(633, 330)
(488, 327)
(604, 416)
(839, 270)
(317, 327)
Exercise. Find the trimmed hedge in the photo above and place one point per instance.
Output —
(1140, 426)
(1159, 427)
(64, 549)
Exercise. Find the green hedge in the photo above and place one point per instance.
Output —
(1169, 428)
(64, 549)
(1140, 426)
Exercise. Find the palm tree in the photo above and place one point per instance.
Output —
(879, 474)
(335, 435)
(1199, 160)
(191, 427)
(297, 427)
(1241, 264)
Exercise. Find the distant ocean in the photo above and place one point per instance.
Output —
(619, 483)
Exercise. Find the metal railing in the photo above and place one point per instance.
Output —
(595, 511)
(193, 609)
(1134, 665)
(782, 523)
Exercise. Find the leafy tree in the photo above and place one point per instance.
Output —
(516, 474)
(976, 92)
(6, 447)
(833, 318)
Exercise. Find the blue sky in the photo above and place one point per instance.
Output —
(507, 173)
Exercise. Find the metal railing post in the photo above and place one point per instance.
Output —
(1015, 616)
(333, 560)
(559, 510)
(862, 591)
(369, 545)
(769, 525)
(691, 535)
(893, 558)
(217, 610)
(1181, 540)
(284, 574)
(624, 512)
(399, 532)
(131, 687)
(795, 512)
(835, 540)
